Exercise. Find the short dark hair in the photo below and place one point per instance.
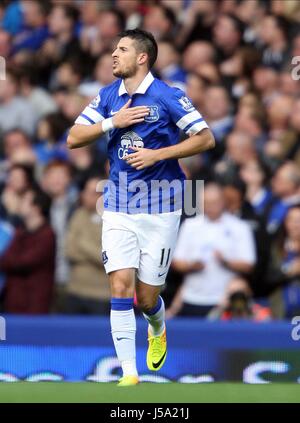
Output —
(41, 200)
(145, 41)
(71, 12)
(27, 170)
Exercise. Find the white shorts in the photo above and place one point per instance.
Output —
(142, 241)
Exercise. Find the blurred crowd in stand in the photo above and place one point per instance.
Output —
(238, 61)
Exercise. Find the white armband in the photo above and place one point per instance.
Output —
(107, 124)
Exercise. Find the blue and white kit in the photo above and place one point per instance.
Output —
(170, 112)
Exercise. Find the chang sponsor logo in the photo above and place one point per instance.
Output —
(129, 139)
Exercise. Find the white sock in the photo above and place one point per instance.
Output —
(156, 318)
(123, 329)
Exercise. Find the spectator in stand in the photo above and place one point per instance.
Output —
(296, 45)
(5, 43)
(13, 141)
(12, 20)
(167, 64)
(195, 89)
(71, 105)
(39, 99)
(236, 203)
(217, 112)
(56, 182)
(86, 162)
(160, 21)
(6, 235)
(210, 252)
(283, 142)
(89, 11)
(273, 32)
(28, 263)
(251, 12)
(284, 269)
(278, 112)
(255, 174)
(51, 134)
(102, 77)
(266, 82)
(63, 42)
(198, 54)
(240, 149)
(35, 31)
(293, 147)
(252, 121)
(132, 12)
(197, 21)
(285, 187)
(227, 35)
(88, 290)
(237, 70)
(239, 304)
(15, 111)
(68, 74)
(287, 84)
(19, 179)
(110, 22)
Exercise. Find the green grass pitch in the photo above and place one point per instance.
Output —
(59, 392)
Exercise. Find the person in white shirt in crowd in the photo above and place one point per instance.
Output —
(15, 111)
(211, 251)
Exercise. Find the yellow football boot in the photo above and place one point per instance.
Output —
(157, 351)
(128, 381)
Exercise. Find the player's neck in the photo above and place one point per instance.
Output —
(132, 83)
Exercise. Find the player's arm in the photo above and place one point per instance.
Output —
(81, 135)
(197, 143)
(144, 157)
(238, 266)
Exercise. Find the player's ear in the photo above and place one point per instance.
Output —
(142, 58)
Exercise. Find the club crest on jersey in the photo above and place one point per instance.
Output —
(129, 139)
(95, 103)
(104, 257)
(186, 104)
(153, 114)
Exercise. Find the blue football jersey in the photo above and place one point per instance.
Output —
(170, 112)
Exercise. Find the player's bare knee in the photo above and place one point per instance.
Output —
(121, 284)
(146, 304)
(119, 290)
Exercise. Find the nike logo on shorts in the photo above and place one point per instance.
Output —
(120, 339)
(113, 113)
(161, 274)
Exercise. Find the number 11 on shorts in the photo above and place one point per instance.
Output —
(165, 257)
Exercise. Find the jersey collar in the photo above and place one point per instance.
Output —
(142, 88)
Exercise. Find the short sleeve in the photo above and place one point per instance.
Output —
(184, 114)
(94, 112)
